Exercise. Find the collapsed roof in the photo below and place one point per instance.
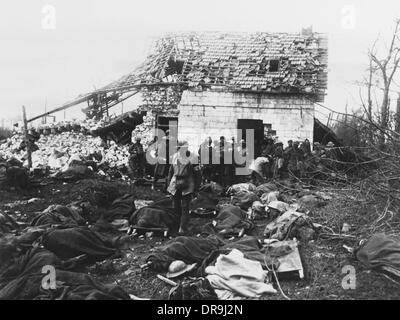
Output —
(270, 62)
(120, 128)
(255, 62)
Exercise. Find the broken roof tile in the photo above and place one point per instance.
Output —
(214, 58)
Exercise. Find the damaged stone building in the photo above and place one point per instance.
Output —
(213, 83)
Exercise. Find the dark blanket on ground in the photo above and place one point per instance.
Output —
(251, 249)
(23, 281)
(17, 177)
(381, 253)
(75, 173)
(72, 242)
(197, 289)
(29, 236)
(159, 214)
(244, 200)
(57, 214)
(212, 188)
(121, 208)
(187, 249)
(99, 193)
(231, 220)
(7, 224)
(165, 202)
(203, 204)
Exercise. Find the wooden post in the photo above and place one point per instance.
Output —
(28, 147)
(45, 111)
(108, 113)
(329, 119)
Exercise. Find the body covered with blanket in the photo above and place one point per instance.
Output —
(188, 249)
(233, 276)
(23, 278)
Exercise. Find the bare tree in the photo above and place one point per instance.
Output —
(385, 68)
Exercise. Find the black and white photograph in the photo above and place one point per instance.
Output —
(192, 156)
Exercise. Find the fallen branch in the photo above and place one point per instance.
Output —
(166, 280)
(133, 297)
(336, 236)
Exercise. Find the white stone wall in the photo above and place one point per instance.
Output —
(215, 114)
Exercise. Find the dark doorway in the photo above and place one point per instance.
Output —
(258, 127)
(169, 125)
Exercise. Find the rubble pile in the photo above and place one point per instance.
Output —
(57, 150)
(10, 146)
(83, 126)
(145, 130)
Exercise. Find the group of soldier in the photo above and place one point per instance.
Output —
(218, 159)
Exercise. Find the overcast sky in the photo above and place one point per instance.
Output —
(97, 41)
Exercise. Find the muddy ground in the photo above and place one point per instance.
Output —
(323, 259)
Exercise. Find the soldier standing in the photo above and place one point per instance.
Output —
(136, 159)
